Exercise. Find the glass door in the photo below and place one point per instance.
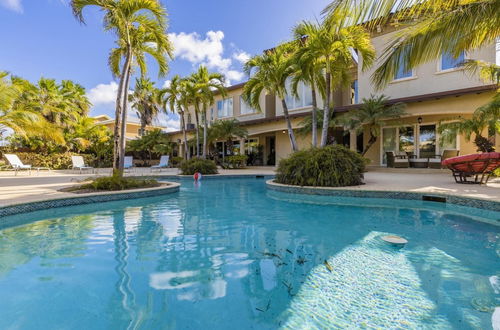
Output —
(427, 141)
(407, 140)
(389, 142)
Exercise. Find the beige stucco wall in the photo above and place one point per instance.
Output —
(427, 77)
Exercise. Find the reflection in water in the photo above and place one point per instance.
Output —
(229, 254)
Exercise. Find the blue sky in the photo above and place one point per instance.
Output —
(42, 38)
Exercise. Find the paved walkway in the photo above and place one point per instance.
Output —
(25, 188)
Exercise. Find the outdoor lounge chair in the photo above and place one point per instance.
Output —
(128, 162)
(79, 164)
(436, 161)
(163, 163)
(477, 166)
(397, 159)
(17, 164)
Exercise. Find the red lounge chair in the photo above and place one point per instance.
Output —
(479, 166)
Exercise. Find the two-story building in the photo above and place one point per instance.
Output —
(133, 129)
(438, 90)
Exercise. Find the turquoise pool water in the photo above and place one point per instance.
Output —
(229, 254)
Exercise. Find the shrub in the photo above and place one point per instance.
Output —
(203, 166)
(330, 166)
(236, 161)
(116, 182)
(176, 161)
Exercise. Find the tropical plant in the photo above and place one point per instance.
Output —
(192, 97)
(467, 127)
(200, 165)
(173, 98)
(83, 133)
(140, 28)
(330, 166)
(372, 114)
(207, 84)
(146, 101)
(268, 73)
(308, 70)
(429, 28)
(228, 130)
(331, 44)
(117, 182)
(153, 143)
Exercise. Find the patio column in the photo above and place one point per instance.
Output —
(353, 140)
(242, 146)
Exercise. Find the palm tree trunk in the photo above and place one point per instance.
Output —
(184, 136)
(314, 117)
(326, 112)
(371, 142)
(118, 119)
(197, 134)
(291, 135)
(124, 112)
(205, 132)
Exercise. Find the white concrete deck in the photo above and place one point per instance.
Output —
(25, 188)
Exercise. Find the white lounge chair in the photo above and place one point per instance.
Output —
(128, 162)
(79, 164)
(17, 164)
(163, 163)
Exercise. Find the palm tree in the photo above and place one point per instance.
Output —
(24, 122)
(190, 96)
(140, 28)
(146, 101)
(172, 96)
(372, 114)
(227, 130)
(268, 73)
(430, 28)
(207, 83)
(332, 44)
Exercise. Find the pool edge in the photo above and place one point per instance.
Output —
(390, 194)
(19, 208)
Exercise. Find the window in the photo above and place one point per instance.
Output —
(225, 108)
(354, 92)
(401, 73)
(246, 108)
(448, 62)
(304, 99)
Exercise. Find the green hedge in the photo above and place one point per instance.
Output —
(111, 183)
(236, 161)
(203, 166)
(330, 166)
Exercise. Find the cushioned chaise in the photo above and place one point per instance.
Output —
(477, 166)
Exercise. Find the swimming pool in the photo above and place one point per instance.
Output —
(229, 254)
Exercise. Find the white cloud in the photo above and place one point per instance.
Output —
(14, 5)
(170, 121)
(208, 50)
(167, 83)
(241, 57)
(103, 93)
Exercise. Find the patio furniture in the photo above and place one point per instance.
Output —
(128, 162)
(419, 162)
(17, 164)
(397, 159)
(476, 166)
(435, 162)
(163, 163)
(79, 164)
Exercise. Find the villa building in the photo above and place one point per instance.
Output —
(133, 130)
(439, 90)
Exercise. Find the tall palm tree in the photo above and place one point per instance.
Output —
(332, 44)
(372, 114)
(309, 71)
(140, 28)
(146, 101)
(207, 83)
(172, 98)
(227, 130)
(268, 73)
(190, 96)
(429, 28)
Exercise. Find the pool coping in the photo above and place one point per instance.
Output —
(89, 198)
(387, 194)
